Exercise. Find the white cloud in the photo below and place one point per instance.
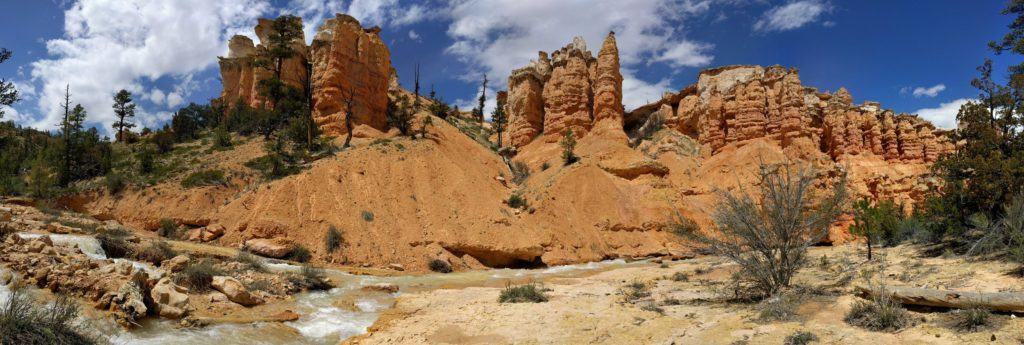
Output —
(687, 54)
(792, 16)
(944, 116)
(641, 92)
(174, 99)
(928, 92)
(497, 36)
(389, 13)
(157, 97)
(110, 45)
(413, 35)
(474, 101)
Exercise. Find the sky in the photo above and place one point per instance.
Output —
(911, 56)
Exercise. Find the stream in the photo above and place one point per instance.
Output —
(322, 321)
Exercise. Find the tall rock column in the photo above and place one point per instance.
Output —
(567, 94)
(608, 110)
(349, 59)
(525, 107)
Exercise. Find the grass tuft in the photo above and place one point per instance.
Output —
(527, 293)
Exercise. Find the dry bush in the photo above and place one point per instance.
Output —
(527, 293)
(520, 172)
(880, 313)
(440, 266)
(768, 234)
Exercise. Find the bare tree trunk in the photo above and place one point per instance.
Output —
(998, 301)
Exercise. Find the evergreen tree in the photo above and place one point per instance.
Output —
(479, 111)
(8, 93)
(400, 115)
(124, 109)
(433, 95)
(568, 144)
(499, 119)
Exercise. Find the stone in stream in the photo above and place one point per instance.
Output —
(171, 300)
(235, 291)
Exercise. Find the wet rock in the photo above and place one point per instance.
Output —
(382, 287)
(171, 300)
(269, 247)
(235, 291)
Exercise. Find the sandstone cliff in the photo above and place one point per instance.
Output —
(345, 61)
(241, 74)
(571, 90)
(735, 104)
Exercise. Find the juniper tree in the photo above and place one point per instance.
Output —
(568, 144)
(124, 109)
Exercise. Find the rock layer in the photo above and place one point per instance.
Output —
(571, 90)
(345, 61)
(241, 75)
(736, 104)
(349, 59)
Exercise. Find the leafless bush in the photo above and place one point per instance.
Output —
(768, 234)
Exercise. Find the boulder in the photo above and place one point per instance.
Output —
(270, 247)
(235, 291)
(382, 287)
(171, 300)
(175, 264)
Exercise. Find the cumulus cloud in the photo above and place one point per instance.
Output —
(929, 91)
(390, 13)
(943, 116)
(112, 45)
(497, 36)
(413, 35)
(791, 16)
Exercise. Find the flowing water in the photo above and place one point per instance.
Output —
(322, 321)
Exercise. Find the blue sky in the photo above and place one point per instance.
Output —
(911, 56)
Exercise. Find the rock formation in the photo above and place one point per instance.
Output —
(571, 90)
(349, 59)
(241, 75)
(345, 59)
(735, 104)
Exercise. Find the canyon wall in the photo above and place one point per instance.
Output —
(570, 90)
(734, 104)
(345, 61)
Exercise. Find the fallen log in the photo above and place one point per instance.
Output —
(997, 301)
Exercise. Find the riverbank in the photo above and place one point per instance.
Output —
(691, 302)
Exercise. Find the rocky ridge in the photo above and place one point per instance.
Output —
(735, 104)
(570, 90)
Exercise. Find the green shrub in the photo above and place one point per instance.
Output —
(522, 294)
(299, 254)
(221, 138)
(517, 201)
(971, 319)
(878, 223)
(164, 141)
(204, 178)
(168, 228)
(440, 266)
(311, 278)
(252, 261)
(520, 172)
(368, 216)
(156, 252)
(680, 277)
(260, 285)
(333, 240)
(22, 321)
(146, 160)
(545, 166)
(879, 314)
(114, 182)
(568, 144)
(198, 275)
(800, 338)
(650, 306)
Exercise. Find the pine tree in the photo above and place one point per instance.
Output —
(433, 95)
(125, 111)
(568, 144)
(481, 101)
(350, 104)
(499, 119)
(8, 93)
